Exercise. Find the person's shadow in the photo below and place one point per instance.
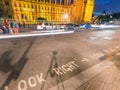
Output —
(15, 70)
(53, 64)
(5, 62)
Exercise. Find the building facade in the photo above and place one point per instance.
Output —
(55, 11)
(5, 9)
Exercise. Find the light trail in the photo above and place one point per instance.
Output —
(33, 34)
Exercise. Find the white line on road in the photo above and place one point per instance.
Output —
(118, 54)
(108, 38)
(84, 60)
(34, 34)
(92, 38)
(50, 31)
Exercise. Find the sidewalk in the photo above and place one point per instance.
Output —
(108, 79)
(103, 76)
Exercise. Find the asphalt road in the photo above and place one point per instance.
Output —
(43, 62)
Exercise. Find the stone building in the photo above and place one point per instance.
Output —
(55, 11)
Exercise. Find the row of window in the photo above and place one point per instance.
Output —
(35, 7)
(36, 11)
(52, 1)
(47, 9)
(25, 5)
(35, 17)
(43, 14)
(55, 1)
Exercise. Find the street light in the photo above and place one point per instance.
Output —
(65, 17)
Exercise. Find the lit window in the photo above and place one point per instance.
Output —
(32, 6)
(28, 6)
(6, 3)
(22, 15)
(24, 5)
(20, 5)
(15, 4)
(36, 7)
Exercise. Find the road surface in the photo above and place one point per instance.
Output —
(66, 61)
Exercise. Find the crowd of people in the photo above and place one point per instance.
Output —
(10, 27)
(13, 27)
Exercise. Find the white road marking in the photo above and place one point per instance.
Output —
(34, 34)
(92, 38)
(84, 60)
(6, 87)
(50, 31)
(108, 38)
(31, 82)
(118, 54)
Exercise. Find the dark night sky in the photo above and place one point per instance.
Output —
(110, 6)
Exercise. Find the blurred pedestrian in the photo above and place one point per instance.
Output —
(88, 25)
(11, 27)
(23, 24)
(2, 28)
(15, 27)
(82, 26)
(19, 25)
(6, 24)
(11, 24)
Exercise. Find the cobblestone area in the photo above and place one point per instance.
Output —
(109, 79)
